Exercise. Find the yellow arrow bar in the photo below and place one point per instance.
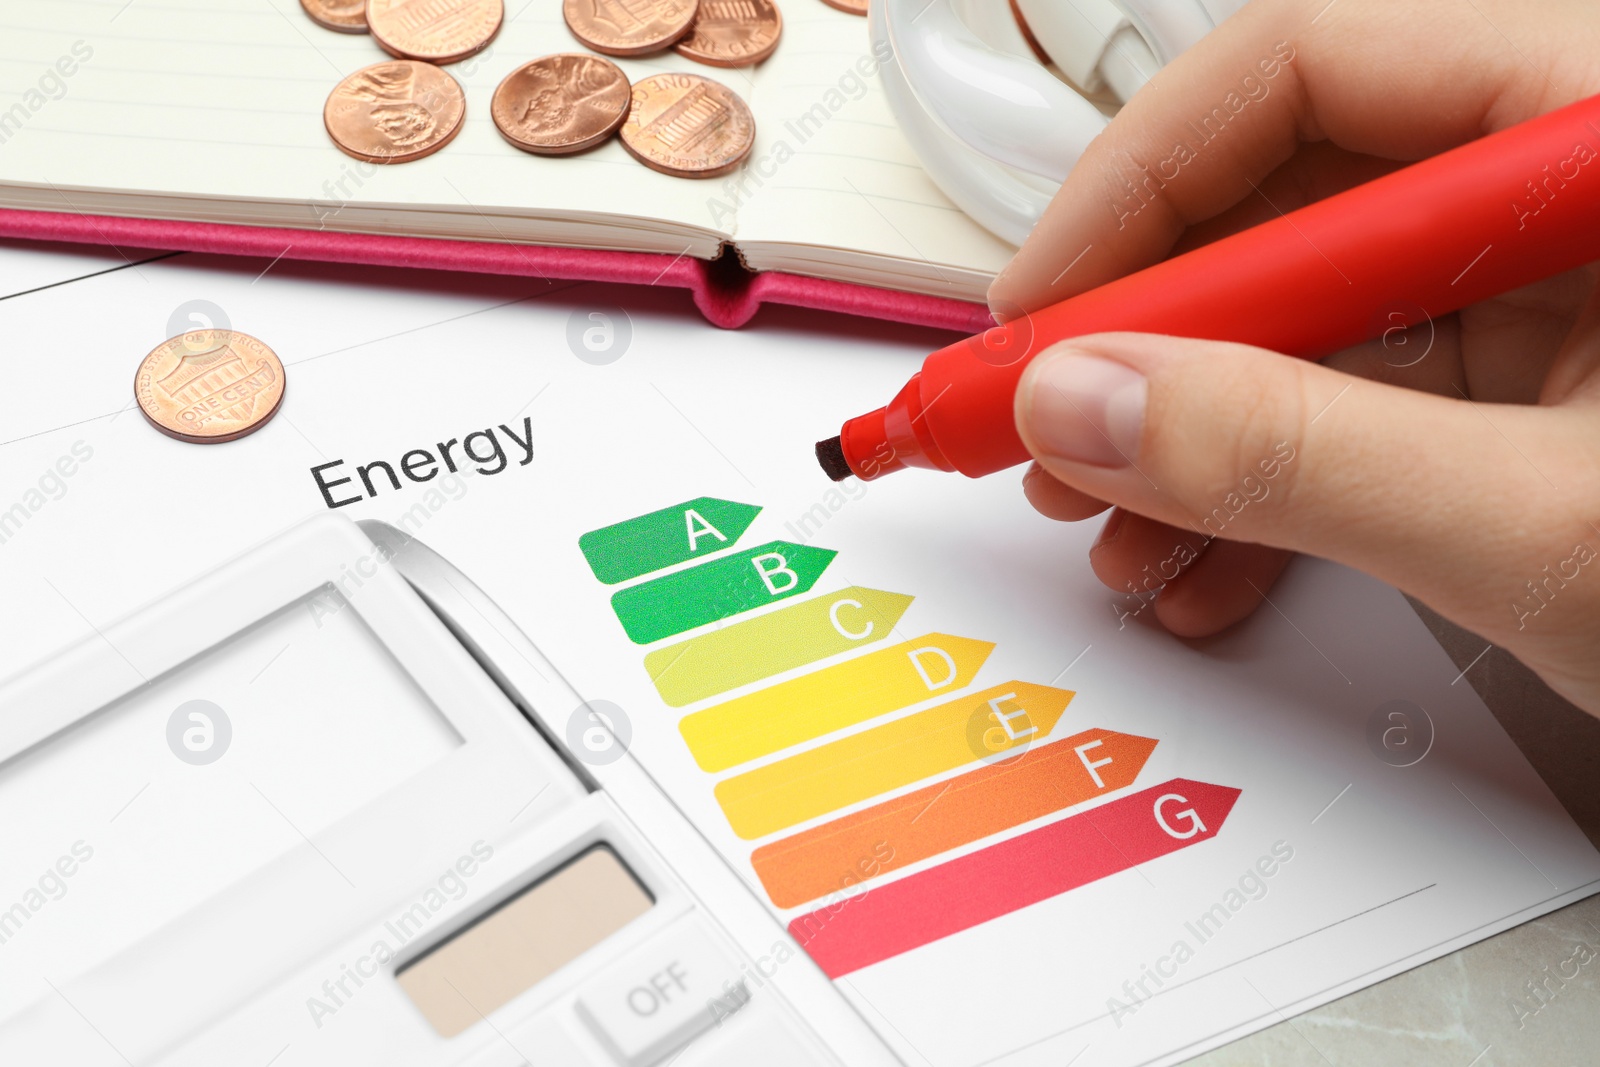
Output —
(770, 644)
(770, 720)
(863, 765)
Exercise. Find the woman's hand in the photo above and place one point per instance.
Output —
(1458, 460)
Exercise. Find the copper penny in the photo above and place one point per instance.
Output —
(394, 112)
(561, 104)
(732, 33)
(209, 386)
(849, 7)
(628, 27)
(345, 16)
(688, 126)
(437, 31)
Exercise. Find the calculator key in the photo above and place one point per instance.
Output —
(662, 995)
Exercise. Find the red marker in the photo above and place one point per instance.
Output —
(1491, 216)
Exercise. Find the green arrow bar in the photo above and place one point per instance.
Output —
(662, 538)
(717, 589)
(758, 648)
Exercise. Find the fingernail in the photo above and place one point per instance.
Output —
(1086, 409)
(997, 287)
(1109, 532)
(1002, 311)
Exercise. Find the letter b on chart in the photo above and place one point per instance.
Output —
(599, 335)
(199, 732)
(775, 572)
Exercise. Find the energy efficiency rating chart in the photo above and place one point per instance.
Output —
(904, 783)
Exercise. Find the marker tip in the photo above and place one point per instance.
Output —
(830, 454)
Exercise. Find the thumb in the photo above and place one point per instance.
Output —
(1453, 501)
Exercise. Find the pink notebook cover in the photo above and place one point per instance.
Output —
(727, 296)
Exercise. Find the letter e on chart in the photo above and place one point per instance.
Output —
(1004, 717)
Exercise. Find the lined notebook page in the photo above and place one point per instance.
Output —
(831, 168)
(212, 111)
(224, 101)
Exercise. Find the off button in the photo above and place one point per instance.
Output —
(662, 995)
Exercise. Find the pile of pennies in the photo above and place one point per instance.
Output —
(681, 124)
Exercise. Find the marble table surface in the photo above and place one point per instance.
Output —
(1476, 1007)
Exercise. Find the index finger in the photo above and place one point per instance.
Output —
(1400, 82)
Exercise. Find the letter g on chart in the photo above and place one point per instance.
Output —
(1187, 816)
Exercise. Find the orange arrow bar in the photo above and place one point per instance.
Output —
(946, 815)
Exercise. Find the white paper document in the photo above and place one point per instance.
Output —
(1012, 822)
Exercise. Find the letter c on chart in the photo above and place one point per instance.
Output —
(833, 616)
(1195, 825)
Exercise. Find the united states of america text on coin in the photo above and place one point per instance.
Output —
(394, 112)
(732, 33)
(436, 31)
(560, 104)
(628, 27)
(209, 386)
(687, 126)
(345, 16)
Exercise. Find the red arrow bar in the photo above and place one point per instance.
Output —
(873, 926)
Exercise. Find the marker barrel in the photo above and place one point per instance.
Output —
(1491, 216)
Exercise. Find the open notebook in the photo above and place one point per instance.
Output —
(211, 111)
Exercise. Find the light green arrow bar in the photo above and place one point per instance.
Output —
(769, 644)
(662, 538)
(713, 590)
